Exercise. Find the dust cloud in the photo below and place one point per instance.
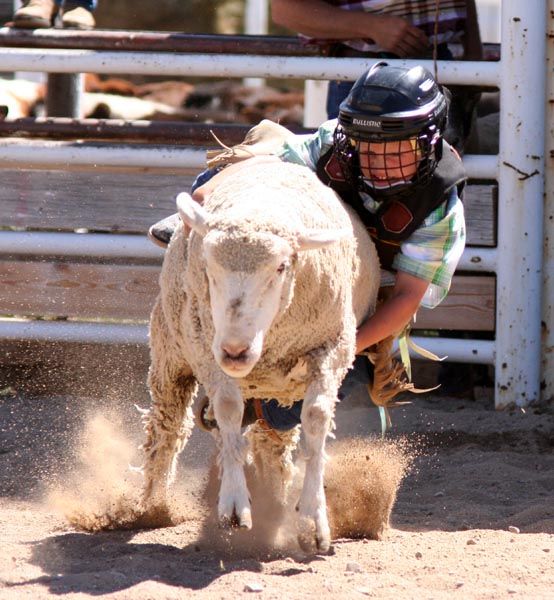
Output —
(362, 479)
(102, 492)
(361, 483)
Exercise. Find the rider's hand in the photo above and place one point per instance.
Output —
(398, 36)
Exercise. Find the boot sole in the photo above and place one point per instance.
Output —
(24, 22)
(77, 26)
(155, 240)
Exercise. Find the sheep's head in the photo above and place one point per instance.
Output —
(251, 281)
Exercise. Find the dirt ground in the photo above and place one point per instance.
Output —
(474, 517)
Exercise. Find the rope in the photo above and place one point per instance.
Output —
(435, 34)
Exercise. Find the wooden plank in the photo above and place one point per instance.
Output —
(470, 305)
(90, 291)
(119, 202)
(105, 202)
(86, 291)
(480, 204)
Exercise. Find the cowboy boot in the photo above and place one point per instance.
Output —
(77, 17)
(35, 14)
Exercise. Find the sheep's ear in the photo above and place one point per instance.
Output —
(192, 213)
(319, 238)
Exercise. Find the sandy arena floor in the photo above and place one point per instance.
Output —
(474, 516)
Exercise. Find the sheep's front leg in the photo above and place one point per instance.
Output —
(168, 425)
(234, 501)
(317, 413)
(169, 421)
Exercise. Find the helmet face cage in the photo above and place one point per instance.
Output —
(386, 167)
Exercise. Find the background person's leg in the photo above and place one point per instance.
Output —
(337, 92)
(35, 14)
(77, 14)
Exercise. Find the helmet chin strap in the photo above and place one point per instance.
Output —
(435, 43)
(387, 184)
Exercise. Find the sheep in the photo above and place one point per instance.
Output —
(20, 97)
(262, 299)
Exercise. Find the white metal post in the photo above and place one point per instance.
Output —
(520, 203)
(315, 102)
(255, 23)
(548, 267)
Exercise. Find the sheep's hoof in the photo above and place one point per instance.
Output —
(244, 521)
(312, 540)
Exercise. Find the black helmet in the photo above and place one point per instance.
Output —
(392, 104)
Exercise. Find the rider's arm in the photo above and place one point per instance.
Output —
(393, 314)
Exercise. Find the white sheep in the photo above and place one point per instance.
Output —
(262, 300)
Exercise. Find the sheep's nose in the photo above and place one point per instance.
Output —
(234, 351)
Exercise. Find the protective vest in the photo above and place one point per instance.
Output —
(397, 217)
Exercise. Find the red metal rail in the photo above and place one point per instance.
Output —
(149, 41)
(173, 132)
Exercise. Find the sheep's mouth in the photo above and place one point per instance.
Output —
(237, 366)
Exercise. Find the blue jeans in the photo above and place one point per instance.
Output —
(337, 92)
(88, 4)
(282, 418)
(204, 177)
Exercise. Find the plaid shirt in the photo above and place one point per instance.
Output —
(432, 252)
(421, 13)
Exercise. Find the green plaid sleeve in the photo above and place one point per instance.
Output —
(433, 251)
(307, 149)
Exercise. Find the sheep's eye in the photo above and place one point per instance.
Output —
(281, 268)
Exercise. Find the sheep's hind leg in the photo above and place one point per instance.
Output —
(272, 453)
(168, 425)
(313, 525)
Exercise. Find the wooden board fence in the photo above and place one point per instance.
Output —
(130, 203)
(101, 289)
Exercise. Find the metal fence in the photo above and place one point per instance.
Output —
(524, 299)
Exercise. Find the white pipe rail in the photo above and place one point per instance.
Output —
(107, 246)
(228, 65)
(479, 260)
(22, 330)
(41, 154)
(44, 154)
(481, 166)
(457, 350)
(520, 203)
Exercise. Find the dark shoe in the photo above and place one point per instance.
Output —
(278, 417)
(160, 233)
(35, 14)
(207, 424)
